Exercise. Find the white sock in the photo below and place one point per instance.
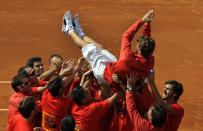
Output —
(69, 31)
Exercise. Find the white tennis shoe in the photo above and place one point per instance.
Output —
(78, 28)
(67, 24)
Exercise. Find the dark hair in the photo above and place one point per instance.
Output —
(17, 81)
(177, 88)
(77, 95)
(54, 85)
(54, 55)
(159, 115)
(22, 70)
(26, 106)
(68, 123)
(32, 60)
(138, 82)
(146, 45)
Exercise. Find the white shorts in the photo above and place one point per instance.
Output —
(98, 60)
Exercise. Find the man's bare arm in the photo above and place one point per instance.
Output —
(48, 74)
(157, 96)
(66, 72)
(116, 97)
(41, 89)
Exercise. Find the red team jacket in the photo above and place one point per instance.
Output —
(140, 124)
(129, 61)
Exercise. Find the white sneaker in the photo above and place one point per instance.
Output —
(78, 28)
(67, 24)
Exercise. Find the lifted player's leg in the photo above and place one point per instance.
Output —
(93, 52)
(68, 28)
(79, 31)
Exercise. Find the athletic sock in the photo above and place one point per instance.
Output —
(69, 31)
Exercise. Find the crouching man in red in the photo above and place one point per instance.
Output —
(154, 118)
(23, 120)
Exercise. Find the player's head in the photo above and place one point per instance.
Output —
(54, 58)
(28, 107)
(80, 95)
(36, 64)
(22, 70)
(55, 86)
(20, 83)
(157, 115)
(173, 89)
(145, 46)
(29, 72)
(68, 123)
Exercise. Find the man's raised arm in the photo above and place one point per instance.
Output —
(157, 96)
(129, 34)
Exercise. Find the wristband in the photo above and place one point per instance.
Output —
(129, 88)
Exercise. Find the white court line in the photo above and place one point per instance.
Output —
(3, 109)
(5, 82)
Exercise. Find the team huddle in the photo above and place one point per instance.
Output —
(99, 91)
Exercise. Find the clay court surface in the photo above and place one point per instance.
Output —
(31, 28)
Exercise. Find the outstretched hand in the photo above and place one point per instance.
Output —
(116, 79)
(85, 77)
(67, 64)
(131, 79)
(148, 17)
(81, 63)
(67, 67)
